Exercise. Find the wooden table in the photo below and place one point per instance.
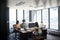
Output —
(24, 34)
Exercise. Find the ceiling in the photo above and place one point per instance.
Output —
(32, 4)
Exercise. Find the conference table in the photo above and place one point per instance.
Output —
(26, 33)
(28, 29)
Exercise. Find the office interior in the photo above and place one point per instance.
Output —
(47, 11)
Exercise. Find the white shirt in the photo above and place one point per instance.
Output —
(41, 25)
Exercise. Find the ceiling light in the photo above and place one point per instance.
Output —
(20, 3)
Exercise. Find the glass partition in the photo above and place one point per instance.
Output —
(20, 15)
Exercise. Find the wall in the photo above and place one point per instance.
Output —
(3, 21)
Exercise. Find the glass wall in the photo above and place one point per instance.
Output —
(35, 16)
(54, 18)
(26, 12)
(45, 17)
(12, 18)
(20, 15)
(39, 16)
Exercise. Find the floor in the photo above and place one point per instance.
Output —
(49, 37)
(52, 37)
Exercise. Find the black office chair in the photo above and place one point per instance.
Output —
(31, 25)
(44, 33)
(17, 33)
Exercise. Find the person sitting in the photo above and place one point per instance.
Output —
(36, 24)
(23, 25)
(41, 25)
(35, 32)
(17, 26)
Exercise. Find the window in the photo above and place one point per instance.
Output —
(45, 17)
(20, 15)
(34, 16)
(39, 16)
(54, 18)
(26, 12)
(12, 18)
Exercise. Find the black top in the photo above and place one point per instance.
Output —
(36, 24)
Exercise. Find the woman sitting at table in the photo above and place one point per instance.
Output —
(17, 26)
(36, 24)
(36, 30)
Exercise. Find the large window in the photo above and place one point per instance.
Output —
(45, 17)
(54, 18)
(39, 16)
(12, 18)
(33, 16)
(20, 15)
(26, 12)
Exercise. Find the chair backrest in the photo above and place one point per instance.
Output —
(14, 26)
(31, 25)
(44, 33)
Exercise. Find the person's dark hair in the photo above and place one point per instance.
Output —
(17, 22)
(23, 20)
(36, 24)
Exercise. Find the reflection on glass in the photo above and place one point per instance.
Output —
(45, 17)
(20, 15)
(54, 18)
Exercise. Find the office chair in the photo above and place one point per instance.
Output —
(17, 34)
(44, 33)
